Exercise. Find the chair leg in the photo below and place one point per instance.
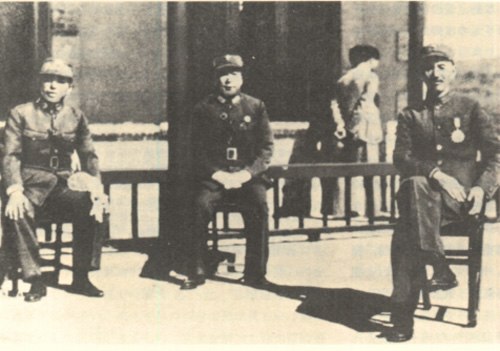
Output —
(215, 233)
(58, 252)
(47, 228)
(473, 296)
(426, 300)
(14, 277)
(231, 266)
(474, 271)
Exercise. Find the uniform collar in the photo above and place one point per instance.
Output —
(438, 101)
(49, 107)
(235, 100)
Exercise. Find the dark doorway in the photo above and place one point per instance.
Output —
(293, 54)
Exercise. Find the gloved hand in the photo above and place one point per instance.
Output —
(451, 186)
(100, 206)
(226, 179)
(242, 176)
(17, 206)
(232, 180)
(82, 181)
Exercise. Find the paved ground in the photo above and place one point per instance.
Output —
(327, 292)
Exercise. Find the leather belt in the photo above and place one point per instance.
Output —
(51, 163)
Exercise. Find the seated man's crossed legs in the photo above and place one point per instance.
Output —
(424, 210)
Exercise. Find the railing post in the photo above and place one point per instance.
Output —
(276, 203)
(393, 199)
(135, 213)
(370, 202)
(347, 198)
(383, 193)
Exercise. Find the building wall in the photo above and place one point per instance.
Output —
(17, 54)
(378, 24)
(119, 52)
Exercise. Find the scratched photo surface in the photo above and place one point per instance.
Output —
(141, 70)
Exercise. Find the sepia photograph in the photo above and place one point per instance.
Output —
(249, 174)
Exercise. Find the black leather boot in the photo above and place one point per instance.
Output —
(83, 286)
(402, 320)
(37, 291)
(196, 276)
(443, 277)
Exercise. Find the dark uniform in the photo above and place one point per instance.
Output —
(444, 135)
(231, 135)
(39, 141)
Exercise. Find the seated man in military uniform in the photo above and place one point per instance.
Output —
(39, 140)
(442, 182)
(232, 147)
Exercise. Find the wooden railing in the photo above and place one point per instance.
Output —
(386, 171)
(134, 178)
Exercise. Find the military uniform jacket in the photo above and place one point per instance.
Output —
(231, 135)
(38, 143)
(426, 141)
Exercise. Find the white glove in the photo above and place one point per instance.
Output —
(242, 176)
(232, 180)
(82, 181)
(100, 206)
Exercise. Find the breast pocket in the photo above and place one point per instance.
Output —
(35, 142)
(67, 141)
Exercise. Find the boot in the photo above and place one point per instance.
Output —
(37, 290)
(83, 286)
(443, 277)
(196, 276)
(402, 320)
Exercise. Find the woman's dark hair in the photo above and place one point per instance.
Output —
(362, 53)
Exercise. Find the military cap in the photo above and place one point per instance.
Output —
(437, 51)
(56, 67)
(228, 62)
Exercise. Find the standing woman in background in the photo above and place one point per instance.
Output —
(357, 117)
(350, 132)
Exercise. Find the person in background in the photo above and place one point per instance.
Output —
(350, 132)
(442, 182)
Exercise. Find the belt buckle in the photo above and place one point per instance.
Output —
(232, 154)
(54, 162)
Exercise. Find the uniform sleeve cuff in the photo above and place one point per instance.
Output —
(433, 171)
(14, 188)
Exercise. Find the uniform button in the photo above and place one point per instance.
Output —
(56, 151)
(439, 147)
(440, 162)
(438, 127)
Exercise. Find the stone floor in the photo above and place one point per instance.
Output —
(328, 292)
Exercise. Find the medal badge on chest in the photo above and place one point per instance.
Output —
(457, 136)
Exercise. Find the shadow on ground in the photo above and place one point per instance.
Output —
(352, 308)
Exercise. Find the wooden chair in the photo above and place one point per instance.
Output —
(473, 231)
(53, 233)
(226, 206)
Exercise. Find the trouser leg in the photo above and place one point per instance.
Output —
(88, 235)
(255, 215)
(329, 194)
(417, 231)
(296, 198)
(422, 211)
(205, 203)
(22, 235)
